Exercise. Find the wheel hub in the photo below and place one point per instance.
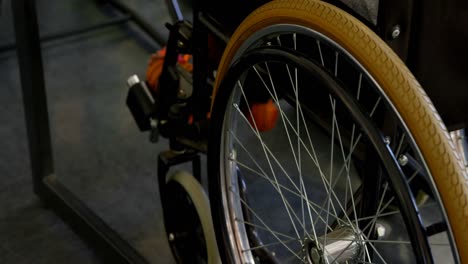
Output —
(342, 245)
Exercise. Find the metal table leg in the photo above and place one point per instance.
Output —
(107, 243)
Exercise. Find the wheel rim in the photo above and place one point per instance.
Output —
(239, 240)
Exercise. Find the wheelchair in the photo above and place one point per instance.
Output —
(321, 144)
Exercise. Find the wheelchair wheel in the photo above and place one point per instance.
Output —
(359, 167)
(188, 220)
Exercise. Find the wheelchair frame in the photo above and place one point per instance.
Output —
(411, 44)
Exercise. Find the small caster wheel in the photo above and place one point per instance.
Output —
(188, 221)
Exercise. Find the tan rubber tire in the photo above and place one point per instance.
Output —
(392, 75)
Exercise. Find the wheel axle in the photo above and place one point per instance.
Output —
(342, 245)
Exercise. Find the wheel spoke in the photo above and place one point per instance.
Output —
(374, 221)
(379, 215)
(399, 242)
(358, 94)
(347, 166)
(286, 201)
(272, 155)
(397, 153)
(324, 180)
(320, 52)
(266, 155)
(367, 253)
(353, 147)
(297, 132)
(265, 228)
(376, 251)
(336, 63)
(270, 244)
(381, 208)
(315, 160)
(284, 118)
(301, 180)
(332, 144)
(265, 225)
(375, 106)
(358, 139)
(264, 175)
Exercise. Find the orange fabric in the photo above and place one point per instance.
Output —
(190, 120)
(155, 66)
(184, 61)
(264, 115)
(154, 69)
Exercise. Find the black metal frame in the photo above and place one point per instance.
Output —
(108, 244)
